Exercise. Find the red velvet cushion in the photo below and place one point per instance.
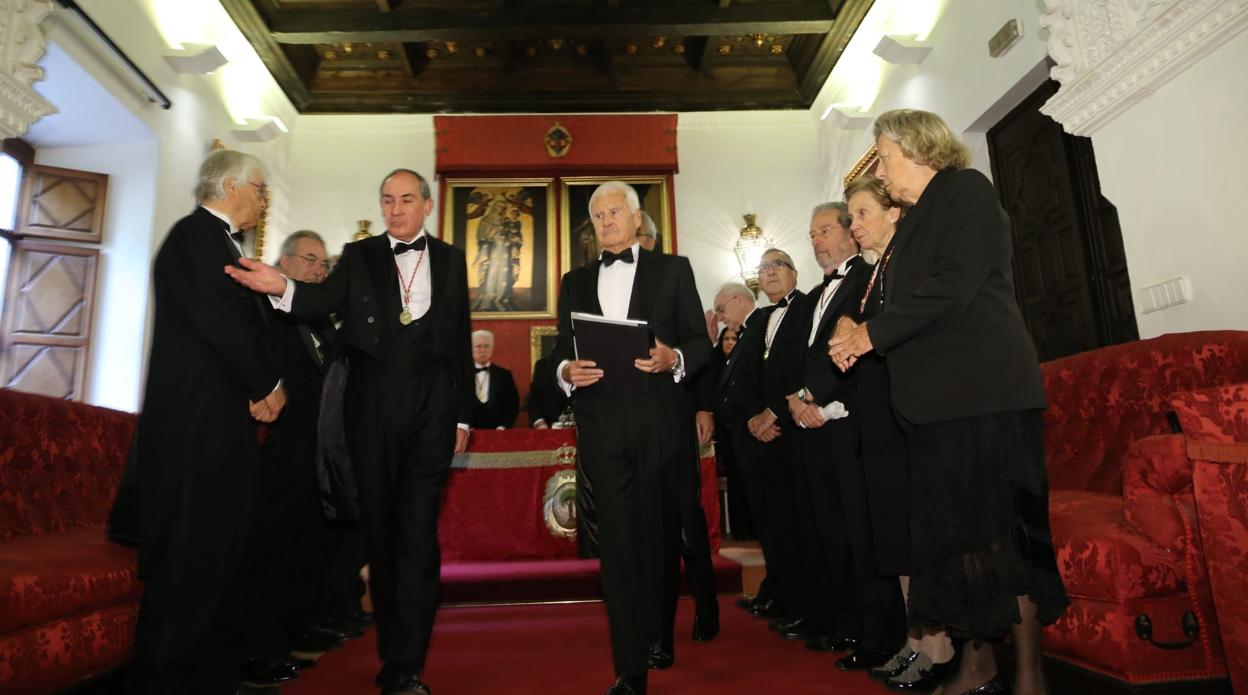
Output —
(1101, 556)
(61, 575)
(1214, 415)
(1157, 481)
(1101, 401)
(60, 463)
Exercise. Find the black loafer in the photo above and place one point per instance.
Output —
(264, 671)
(628, 685)
(860, 660)
(341, 628)
(997, 686)
(767, 609)
(661, 655)
(782, 624)
(832, 643)
(705, 629)
(404, 679)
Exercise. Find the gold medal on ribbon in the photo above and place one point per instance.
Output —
(405, 316)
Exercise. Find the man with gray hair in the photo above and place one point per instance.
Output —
(648, 234)
(632, 443)
(211, 377)
(498, 401)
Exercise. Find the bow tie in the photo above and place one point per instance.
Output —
(483, 369)
(417, 245)
(238, 236)
(834, 275)
(626, 256)
(782, 303)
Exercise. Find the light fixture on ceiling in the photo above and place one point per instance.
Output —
(261, 129)
(750, 246)
(902, 50)
(196, 59)
(844, 118)
(82, 24)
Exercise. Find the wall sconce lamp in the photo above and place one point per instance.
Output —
(261, 129)
(749, 248)
(362, 232)
(902, 50)
(196, 59)
(843, 118)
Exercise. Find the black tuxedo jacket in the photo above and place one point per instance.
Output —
(951, 331)
(663, 294)
(546, 400)
(502, 405)
(739, 387)
(303, 367)
(364, 289)
(819, 376)
(782, 365)
(196, 455)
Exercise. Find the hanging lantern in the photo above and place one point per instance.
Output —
(750, 247)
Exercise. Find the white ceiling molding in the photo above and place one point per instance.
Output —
(1112, 53)
(21, 46)
(902, 50)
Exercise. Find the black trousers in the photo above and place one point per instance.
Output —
(345, 552)
(865, 603)
(631, 447)
(695, 547)
(805, 582)
(745, 453)
(402, 438)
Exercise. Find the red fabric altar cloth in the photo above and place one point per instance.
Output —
(617, 144)
(492, 507)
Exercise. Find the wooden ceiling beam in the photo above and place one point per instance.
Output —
(385, 5)
(674, 19)
(251, 23)
(849, 15)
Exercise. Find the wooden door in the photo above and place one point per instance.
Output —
(1070, 269)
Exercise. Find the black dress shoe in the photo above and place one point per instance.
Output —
(802, 633)
(860, 660)
(997, 686)
(404, 679)
(266, 671)
(921, 675)
(832, 643)
(245, 689)
(705, 629)
(302, 664)
(745, 602)
(782, 624)
(768, 609)
(628, 685)
(661, 655)
(341, 628)
(315, 641)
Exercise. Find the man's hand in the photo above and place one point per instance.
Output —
(258, 276)
(849, 341)
(260, 411)
(712, 324)
(461, 440)
(662, 359)
(541, 425)
(795, 404)
(763, 426)
(706, 425)
(810, 416)
(581, 373)
(268, 408)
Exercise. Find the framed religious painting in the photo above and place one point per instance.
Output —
(865, 165)
(541, 342)
(506, 229)
(577, 240)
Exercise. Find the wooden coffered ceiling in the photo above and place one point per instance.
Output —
(421, 56)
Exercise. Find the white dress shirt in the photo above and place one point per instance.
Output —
(825, 299)
(483, 381)
(420, 297)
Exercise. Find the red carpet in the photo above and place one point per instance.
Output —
(564, 650)
(546, 580)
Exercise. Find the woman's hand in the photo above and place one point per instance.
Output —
(849, 341)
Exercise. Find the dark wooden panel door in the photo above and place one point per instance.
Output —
(64, 204)
(47, 318)
(1070, 269)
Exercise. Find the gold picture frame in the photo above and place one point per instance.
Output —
(577, 242)
(506, 229)
(865, 163)
(541, 342)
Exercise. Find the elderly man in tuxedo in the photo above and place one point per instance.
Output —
(403, 298)
(211, 375)
(632, 442)
(498, 401)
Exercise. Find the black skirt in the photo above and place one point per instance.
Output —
(979, 524)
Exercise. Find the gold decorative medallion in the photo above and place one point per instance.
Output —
(558, 140)
(559, 504)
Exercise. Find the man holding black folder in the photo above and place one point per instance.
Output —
(633, 429)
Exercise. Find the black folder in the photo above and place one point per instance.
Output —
(613, 344)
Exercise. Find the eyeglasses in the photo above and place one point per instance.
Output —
(313, 260)
(261, 189)
(774, 265)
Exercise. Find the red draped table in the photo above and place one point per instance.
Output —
(495, 505)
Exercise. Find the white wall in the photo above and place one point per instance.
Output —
(336, 165)
(114, 368)
(731, 163)
(1173, 164)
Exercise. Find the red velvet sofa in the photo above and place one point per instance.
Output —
(1125, 519)
(68, 597)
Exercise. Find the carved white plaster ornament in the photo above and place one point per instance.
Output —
(21, 45)
(1112, 53)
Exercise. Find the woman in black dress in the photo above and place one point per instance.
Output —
(965, 379)
(927, 656)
